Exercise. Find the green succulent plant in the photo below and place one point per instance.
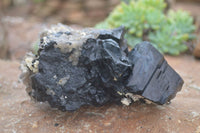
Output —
(39, 1)
(146, 20)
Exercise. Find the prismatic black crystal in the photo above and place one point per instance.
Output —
(94, 67)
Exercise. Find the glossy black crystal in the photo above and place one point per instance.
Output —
(97, 69)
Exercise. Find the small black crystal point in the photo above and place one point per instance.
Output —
(94, 67)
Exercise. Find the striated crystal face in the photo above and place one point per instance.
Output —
(94, 67)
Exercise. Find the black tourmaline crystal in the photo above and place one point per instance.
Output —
(94, 67)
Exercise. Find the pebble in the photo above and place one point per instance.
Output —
(107, 124)
(35, 125)
(194, 114)
(56, 124)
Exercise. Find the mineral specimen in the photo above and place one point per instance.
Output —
(94, 67)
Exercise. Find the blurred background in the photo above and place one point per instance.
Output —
(22, 20)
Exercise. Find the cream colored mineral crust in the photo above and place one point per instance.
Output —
(68, 39)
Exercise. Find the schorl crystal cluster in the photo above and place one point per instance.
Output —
(93, 67)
